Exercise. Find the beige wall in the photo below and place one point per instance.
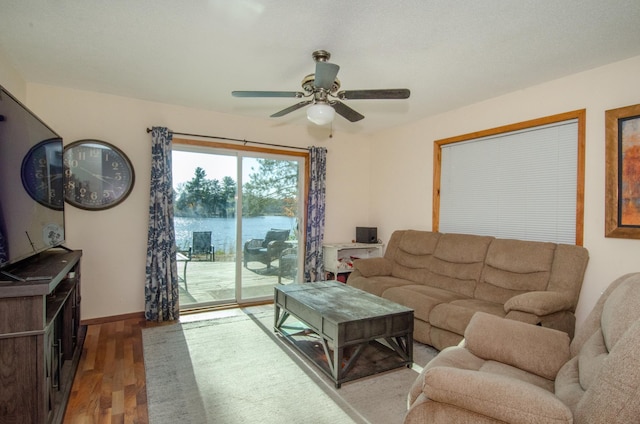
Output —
(11, 80)
(114, 240)
(403, 159)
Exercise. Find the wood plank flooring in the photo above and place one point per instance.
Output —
(110, 384)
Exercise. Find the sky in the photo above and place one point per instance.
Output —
(216, 166)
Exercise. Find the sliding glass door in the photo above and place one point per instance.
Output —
(271, 213)
(237, 220)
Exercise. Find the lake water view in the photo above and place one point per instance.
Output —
(223, 230)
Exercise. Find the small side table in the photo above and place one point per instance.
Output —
(338, 257)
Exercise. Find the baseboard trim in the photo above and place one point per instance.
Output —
(213, 308)
(140, 315)
(103, 320)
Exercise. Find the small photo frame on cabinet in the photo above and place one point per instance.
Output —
(622, 197)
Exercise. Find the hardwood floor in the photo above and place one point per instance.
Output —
(110, 385)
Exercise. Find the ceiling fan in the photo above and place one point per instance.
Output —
(321, 89)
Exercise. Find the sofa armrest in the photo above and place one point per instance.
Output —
(539, 303)
(499, 397)
(373, 266)
(538, 350)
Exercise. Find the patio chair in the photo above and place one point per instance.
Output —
(202, 245)
(288, 263)
(267, 249)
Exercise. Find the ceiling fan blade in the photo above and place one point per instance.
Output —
(267, 94)
(346, 111)
(391, 93)
(290, 109)
(325, 74)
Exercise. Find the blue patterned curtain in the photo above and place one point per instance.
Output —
(161, 286)
(313, 263)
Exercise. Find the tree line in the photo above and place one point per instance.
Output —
(271, 190)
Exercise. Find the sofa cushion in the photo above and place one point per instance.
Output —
(455, 315)
(537, 350)
(441, 338)
(455, 358)
(604, 374)
(619, 313)
(376, 285)
(614, 396)
(413, 255)
(420, 298)
(457, 262)
(513, 267)
(419, 243)
(501, 398)
(567, 385)
(495, 367)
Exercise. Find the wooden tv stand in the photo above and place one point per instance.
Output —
(40, 337)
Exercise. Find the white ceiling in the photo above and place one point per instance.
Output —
(449, 53)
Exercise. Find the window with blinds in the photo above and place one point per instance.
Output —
(523, 181)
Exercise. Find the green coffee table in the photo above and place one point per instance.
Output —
(346, 332)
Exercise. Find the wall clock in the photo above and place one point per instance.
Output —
(97, 174)
(40, 169)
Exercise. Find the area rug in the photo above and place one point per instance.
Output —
(236, 370)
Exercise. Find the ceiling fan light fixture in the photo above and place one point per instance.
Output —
(320, 113)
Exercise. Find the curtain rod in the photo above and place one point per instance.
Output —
(236, 139)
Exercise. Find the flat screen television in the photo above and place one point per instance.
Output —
(31, 184)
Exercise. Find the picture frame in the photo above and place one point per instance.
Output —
(622, 190)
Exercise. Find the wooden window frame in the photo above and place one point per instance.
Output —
(579, 115)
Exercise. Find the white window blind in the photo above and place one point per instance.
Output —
(521, 184)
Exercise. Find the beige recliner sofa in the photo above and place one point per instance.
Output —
(510, 372)
(446, 278)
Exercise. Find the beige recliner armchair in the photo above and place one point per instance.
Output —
(507, 371)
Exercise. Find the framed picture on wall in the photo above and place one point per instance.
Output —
(622, 198)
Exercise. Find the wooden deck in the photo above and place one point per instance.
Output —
(210, 283)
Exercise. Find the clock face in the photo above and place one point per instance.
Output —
(41, 173)
(97, 175)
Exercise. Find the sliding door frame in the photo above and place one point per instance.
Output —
(242, 151)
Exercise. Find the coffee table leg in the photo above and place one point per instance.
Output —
(279, 319)
(353, 358)
(403, 347)
(337, 365)
(335, 358)
(334, 361)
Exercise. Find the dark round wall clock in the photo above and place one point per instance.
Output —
(97, 174)
(41, 168)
